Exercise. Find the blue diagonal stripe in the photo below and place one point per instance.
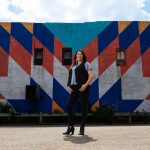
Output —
(60, 95)
(93, 97)
(107, 36)
(45, 36)
(145, 39)
(128, 35)
(22, 35)
(4, 39)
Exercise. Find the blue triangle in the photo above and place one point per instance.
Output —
(60, 95)
(94, 93)
(21, 105)
(129, 105)
(45, 104)
(113, 97)
(77, 35)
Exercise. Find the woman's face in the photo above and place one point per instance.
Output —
(79, 56)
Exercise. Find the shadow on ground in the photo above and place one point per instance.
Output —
(79, 139)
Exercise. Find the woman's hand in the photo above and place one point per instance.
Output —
(90, 78)
(83, 87)
(70, 89)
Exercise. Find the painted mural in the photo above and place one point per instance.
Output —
(126, 86)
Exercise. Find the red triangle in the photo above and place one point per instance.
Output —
(132, 54)
(48, 59)
(91, 50)
(58, 45)
(146, 63)
(20, 55)
(108, 56)
(36, 44)
(3, 62)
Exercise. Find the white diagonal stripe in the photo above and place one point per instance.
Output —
(94, 65)
(61, 73)
(134, 85)
(108, 78)
(43, 78)
(14, 86)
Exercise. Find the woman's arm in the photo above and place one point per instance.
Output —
(90, 79)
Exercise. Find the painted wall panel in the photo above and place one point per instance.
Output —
(125, 86)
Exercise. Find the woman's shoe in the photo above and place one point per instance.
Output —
(70, 129)
(81, 131)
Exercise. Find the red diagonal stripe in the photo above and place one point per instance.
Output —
(146, 63)
(3, 62)
(148, 97)
(36, 44)
(20, 55)
(1, 96)
(48, 59)
(132, 54)
(108, 56)
(91, 50)
(58, 45)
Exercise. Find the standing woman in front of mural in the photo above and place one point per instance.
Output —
(80, 76)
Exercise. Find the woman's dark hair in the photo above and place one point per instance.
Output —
(75, 57)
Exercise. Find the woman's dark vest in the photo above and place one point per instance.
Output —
(81, 75)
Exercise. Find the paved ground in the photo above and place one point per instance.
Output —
(95, 138)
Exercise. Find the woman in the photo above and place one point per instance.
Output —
(80, 76)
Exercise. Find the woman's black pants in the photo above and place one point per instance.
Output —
(74, 96)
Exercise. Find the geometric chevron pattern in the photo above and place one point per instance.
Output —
(127, 86)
